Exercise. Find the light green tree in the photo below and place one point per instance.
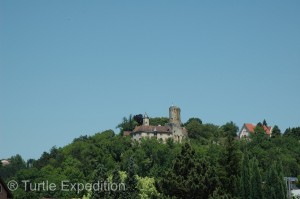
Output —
(146, 187)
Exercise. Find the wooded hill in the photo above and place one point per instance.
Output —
(212, 163)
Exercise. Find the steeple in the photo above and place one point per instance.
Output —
(145, 120)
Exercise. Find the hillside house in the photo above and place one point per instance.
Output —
(249, 128)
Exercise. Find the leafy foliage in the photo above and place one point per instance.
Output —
(198, 120)
(293, 132)
(158, 121)
(245, 188)
(276, 131)
(131, 181)
(138, 118)
(230, 129)
(256, 191)
(101, 177)
(190, 176)
(127, 124)
(212, 163)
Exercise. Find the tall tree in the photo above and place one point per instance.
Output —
(131, 181)
(265, 123)
(230, 162)
(230, 129)
(293, 132)
(116, 179)
(276, 131)
(245, 178)
(101, 177)
(281, 186)
(127, 124)
(275, 185)
(190, 177)
(259, 124)
(255, 180)
(194, 129)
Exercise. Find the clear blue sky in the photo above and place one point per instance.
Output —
(71, 68)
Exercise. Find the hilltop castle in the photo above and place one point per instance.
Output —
(171, 130)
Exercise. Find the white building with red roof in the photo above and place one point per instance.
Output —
(249, 128)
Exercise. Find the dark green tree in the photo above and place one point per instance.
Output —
(255, 180)
(138, 118)
(16, 163)
(230, 162)
(281, 191)
(194, 129)
(259, 129)
(245, 178)
(30, 163)
(230, 129)
(55, 156)
(217, 194)
(193, 119)
(131, 181)
(101, 177)
(259, 124)
(275, 185)
(265, 123)
(293, 132)
(127, 124)
(276, 131)
(158, 121)
(190, 177)
(116, 179)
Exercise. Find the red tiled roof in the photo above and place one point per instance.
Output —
(267, 129)
(150, 128)
(251, 128)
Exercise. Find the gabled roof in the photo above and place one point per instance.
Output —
(250, 127)
(9, 194)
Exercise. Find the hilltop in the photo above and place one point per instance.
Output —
(211, 163)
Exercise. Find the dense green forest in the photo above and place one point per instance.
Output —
(212, 163)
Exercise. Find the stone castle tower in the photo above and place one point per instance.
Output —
(174, 115)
